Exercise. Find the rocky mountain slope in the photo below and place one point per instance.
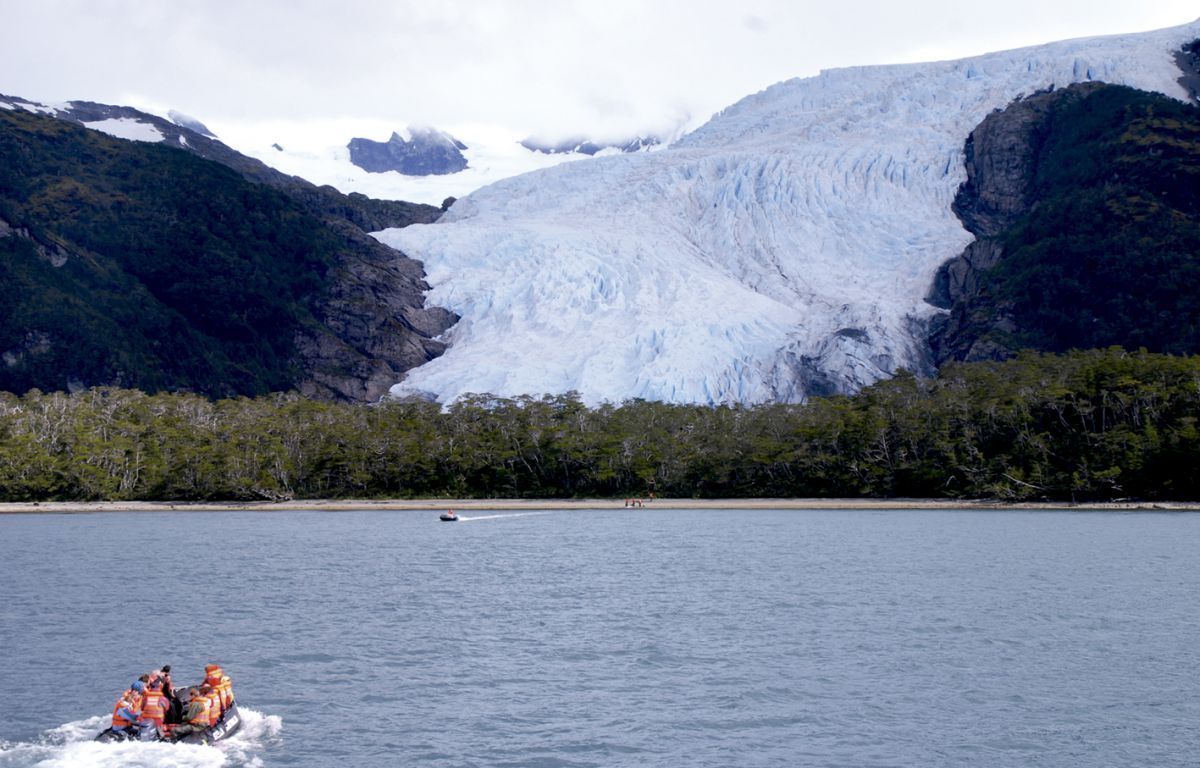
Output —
(784, 249)
(172, 262)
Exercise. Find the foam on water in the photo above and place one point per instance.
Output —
(72, 745)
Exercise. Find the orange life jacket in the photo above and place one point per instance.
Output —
(222, 684)
(214, 707)
(125, 702)
(226, 689)
(154, 707)
(201, 719)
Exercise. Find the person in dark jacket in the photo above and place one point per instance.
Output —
(175, 710)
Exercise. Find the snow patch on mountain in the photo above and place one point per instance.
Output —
(783, 249)
(126, 128)
(8, 102)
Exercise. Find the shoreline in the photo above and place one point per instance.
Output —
(438, 505)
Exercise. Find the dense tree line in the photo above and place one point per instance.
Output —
(1084, 426)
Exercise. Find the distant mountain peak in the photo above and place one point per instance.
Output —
(422, 151)
(191, 123)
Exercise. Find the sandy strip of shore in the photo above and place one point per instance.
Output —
(343, 505)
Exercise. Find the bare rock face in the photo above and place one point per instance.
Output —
(374, 324)
(1188, 61)
(1000, 161)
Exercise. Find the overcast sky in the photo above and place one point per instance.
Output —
(548, 67)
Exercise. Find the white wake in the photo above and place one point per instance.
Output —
(71, 745)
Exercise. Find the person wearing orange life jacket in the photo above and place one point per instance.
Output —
(214, 703)
(128, 709)
(155, 705)
(216, 677)
(196, 718)
(135, 691)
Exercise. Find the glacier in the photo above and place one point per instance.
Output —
(784, 249)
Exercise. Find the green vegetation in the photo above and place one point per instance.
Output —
(1110, 252)
(147, 266)
(1083, 426)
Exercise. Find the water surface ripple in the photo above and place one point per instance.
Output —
(626, 638)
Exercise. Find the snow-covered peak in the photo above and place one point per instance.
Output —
(427, 134)
(189, 122)
(783, 249)
(422, 151)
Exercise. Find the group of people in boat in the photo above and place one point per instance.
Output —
(153, 700)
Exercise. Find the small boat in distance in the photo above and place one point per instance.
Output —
(448, 516)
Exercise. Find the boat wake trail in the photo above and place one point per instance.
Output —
(497, 517)
(71, 746)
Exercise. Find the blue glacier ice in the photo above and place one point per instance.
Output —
(782, 249)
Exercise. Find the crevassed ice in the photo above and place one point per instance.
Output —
(783, 248)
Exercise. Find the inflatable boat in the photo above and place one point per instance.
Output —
(228, 725)
(448, 517)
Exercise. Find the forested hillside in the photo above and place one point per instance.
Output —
(173, 272)
(1103, 247)
(141, 265)
(1084, 426)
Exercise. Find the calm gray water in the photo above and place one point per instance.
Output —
(615, 638)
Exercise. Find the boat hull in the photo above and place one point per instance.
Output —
(229, 724)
